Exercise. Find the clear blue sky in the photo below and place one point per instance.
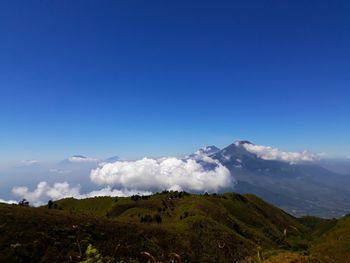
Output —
(135, 78)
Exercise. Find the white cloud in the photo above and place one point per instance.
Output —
(29, 162)
(62, 190)
(45, 192)
(165, 173)
(270, 153)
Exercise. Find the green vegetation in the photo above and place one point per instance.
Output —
(168, 227)
(333, 245)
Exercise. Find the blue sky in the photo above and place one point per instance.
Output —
(153, 78)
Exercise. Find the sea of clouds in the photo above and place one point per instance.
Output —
(144, 176)
(197, 173)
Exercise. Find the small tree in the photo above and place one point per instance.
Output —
(49, 204)
(24, 202)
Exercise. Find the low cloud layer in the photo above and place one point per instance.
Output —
(44, 192)
(125, 178)
(165, 173)
(8, 201)
(269, 153)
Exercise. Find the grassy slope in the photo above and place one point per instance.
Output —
(222, 228)
(333, 245)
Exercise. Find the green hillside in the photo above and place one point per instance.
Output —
(334, 245)
(171, 227)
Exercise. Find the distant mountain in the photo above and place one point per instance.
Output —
(112, 159)
(341, 166)
(207, 150)
(300, 188)
(81, 159)
(203, 152)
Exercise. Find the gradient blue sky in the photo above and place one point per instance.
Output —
(136, 78)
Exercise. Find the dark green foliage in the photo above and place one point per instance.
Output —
(135, 197)
(157, 218)
(146, 219)
(151, 219)
(184, 215)
(49, 204)
(174, 194)
(139, 197)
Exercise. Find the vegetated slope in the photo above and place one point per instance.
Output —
(199, 228)
(333, 245)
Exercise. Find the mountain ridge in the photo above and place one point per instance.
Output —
(300, 188)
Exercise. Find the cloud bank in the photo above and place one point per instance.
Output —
(45, 192)
(165, 173)
(125, 178)
(270, 153)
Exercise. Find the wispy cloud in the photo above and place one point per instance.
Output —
(60, 171)
(270, 153)
(80, 159)
(29, 162)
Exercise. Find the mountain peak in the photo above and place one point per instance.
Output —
(78, 156)
(207, 150)
(81, 158)
(241, 142)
